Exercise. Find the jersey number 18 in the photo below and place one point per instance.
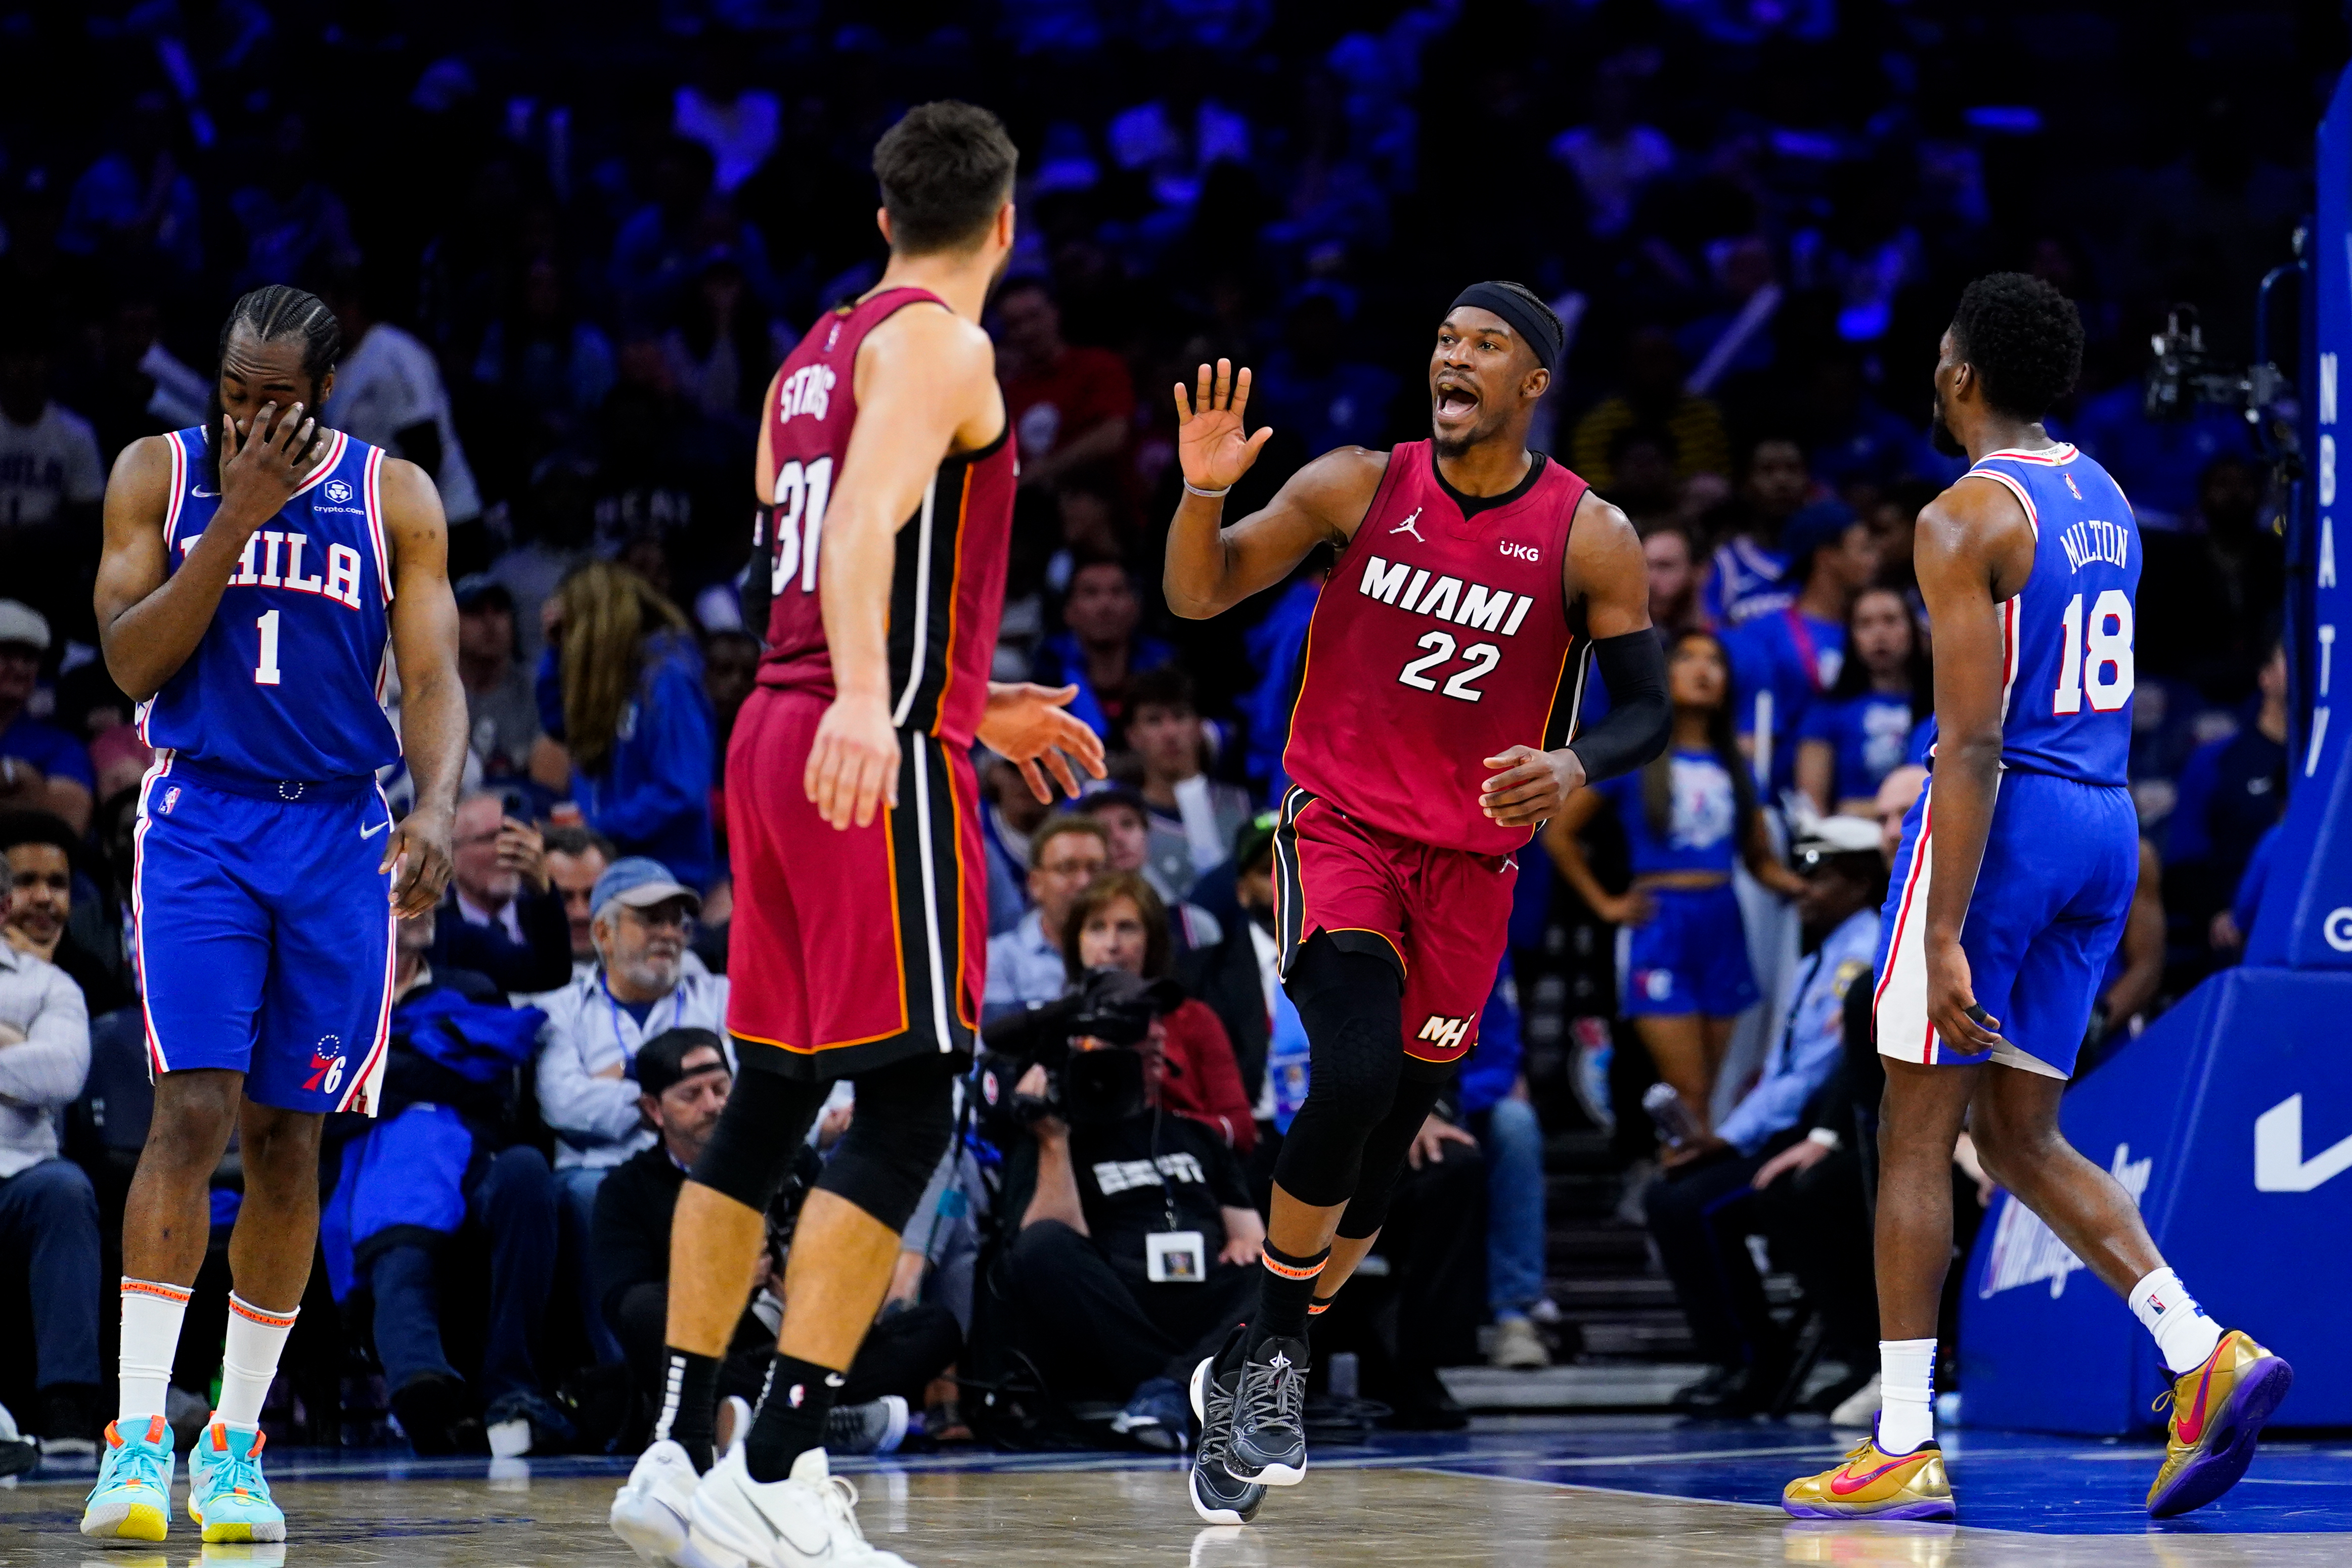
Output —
(2100, 663)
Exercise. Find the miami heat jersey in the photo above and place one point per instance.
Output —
(947, 587)
(288, 681)
(2067, 633)
(1438, 641)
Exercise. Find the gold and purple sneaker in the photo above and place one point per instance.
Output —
(1875, 1484)
(2217, 1411)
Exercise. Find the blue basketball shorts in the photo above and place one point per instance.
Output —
(2061, 863)
(1691, 956)
(263, 935)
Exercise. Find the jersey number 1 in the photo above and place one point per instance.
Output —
(2101, 663)
(264, 670)
(801, 494)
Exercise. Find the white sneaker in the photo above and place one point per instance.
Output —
(650, 1511)
(808, 1519)
(1859, 1408)
(1518, 1346)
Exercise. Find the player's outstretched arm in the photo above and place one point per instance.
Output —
(150, 618)
(1973, 543)
(432, 702)
(1209, 568)
(926, 383)
(1606, 571)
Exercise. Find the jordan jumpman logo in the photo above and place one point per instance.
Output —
(1407, 526)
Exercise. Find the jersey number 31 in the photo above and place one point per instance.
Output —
(2100, 663)
(801, 494)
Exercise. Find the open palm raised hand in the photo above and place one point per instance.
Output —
(1210, 444)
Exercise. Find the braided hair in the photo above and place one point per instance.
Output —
(270, 313)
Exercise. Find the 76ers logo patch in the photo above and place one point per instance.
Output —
(325, 1065)
(338, 492)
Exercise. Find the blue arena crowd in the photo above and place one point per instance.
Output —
(567, 250)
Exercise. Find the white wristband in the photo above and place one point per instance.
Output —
(1826, 1137)
(1205, 495)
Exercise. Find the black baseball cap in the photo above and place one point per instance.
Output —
(661, 1060)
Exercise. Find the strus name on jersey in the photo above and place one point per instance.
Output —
(1447, 598)
(808, 390)
(273, 558)
(2091, 539)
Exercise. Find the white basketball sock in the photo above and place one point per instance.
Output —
(249, 1359)
(1907, 1394)
(2185, 1336)
(152, 1311)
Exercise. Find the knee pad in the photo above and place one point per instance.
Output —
(905, 1120)
(1384, 1154)
(758, 1136)
(1349, 1003)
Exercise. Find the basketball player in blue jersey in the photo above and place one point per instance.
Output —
(2011, 889)
(258, 571)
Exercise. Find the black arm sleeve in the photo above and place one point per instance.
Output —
(757, 577)
(1634, 668)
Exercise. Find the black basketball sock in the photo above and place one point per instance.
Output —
(791, 1418)
(1283, 1292)
(690, 1413)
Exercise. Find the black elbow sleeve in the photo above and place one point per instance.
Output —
(1634, 668)
(758, 574)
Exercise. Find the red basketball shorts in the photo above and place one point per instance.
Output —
(1442, 916)
(851, 947)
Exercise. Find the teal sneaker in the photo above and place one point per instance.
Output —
(226, 1493)
(133, 1500)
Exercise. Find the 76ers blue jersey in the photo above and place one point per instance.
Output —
(288, 681)
(2067, 705)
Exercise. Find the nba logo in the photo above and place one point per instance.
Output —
(338, 492)
(2073, 486)
(171, 799)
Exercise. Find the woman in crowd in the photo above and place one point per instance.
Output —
(1682, 950)
(1860, 730)
(1121, 922)
(620, 687)
(1675, 576)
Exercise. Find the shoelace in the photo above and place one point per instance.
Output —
(841, 1501)
(1271, 1396)
(231, 1471)
(142, 1465)
(1217, 1426)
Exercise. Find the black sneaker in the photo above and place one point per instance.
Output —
(1269, 1440)
(1219, 1497)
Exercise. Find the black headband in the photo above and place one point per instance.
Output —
(1535, 325)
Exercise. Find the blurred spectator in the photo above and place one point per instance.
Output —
(1860, 729)
(543, 361)
(1239, 979)
(51, 482)
(501, 710)
(388, 393)
(576, 858)
(41, 767)
(1613, 156)
(624, 694)
(1118, 923)
(1067, 854)
(1702, 1210)
(1496, 1110)
(293, 223)
(1193, 817)
(683, 1081)
(1011, 815)
(1795, 656)
(661, 246)
(42, 852)
(443, 1156)
(1652, 394)
(48, 1210)
(1674, 580)
(506, 921)
(136, 387)
(2232, 791)
(1314, 390)
(1126, 830)
(724, 347)
(1641, 464)
(136, 201)
(1745, 578)
(1070, 408)
(1101, 651)
(640, 987)
(2211, 594)
(2127, 991)
(718, 108)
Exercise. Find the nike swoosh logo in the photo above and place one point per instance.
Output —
(1846, 1481)
(204, 494)
(371, 832)
(814, 1552)
(2192, 1427)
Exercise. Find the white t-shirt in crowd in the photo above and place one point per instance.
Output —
(46, 466)
(389, 382)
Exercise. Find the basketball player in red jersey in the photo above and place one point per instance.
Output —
(1430, 736)
(886, 474)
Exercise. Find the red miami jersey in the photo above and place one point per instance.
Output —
(1438, 641)
(947, 587)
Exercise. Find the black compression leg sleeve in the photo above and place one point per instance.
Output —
(758, 1136)
(1384, 1154)
(1352, 1004)
(905, 1120)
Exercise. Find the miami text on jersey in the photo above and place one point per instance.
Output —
(1447, 599)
